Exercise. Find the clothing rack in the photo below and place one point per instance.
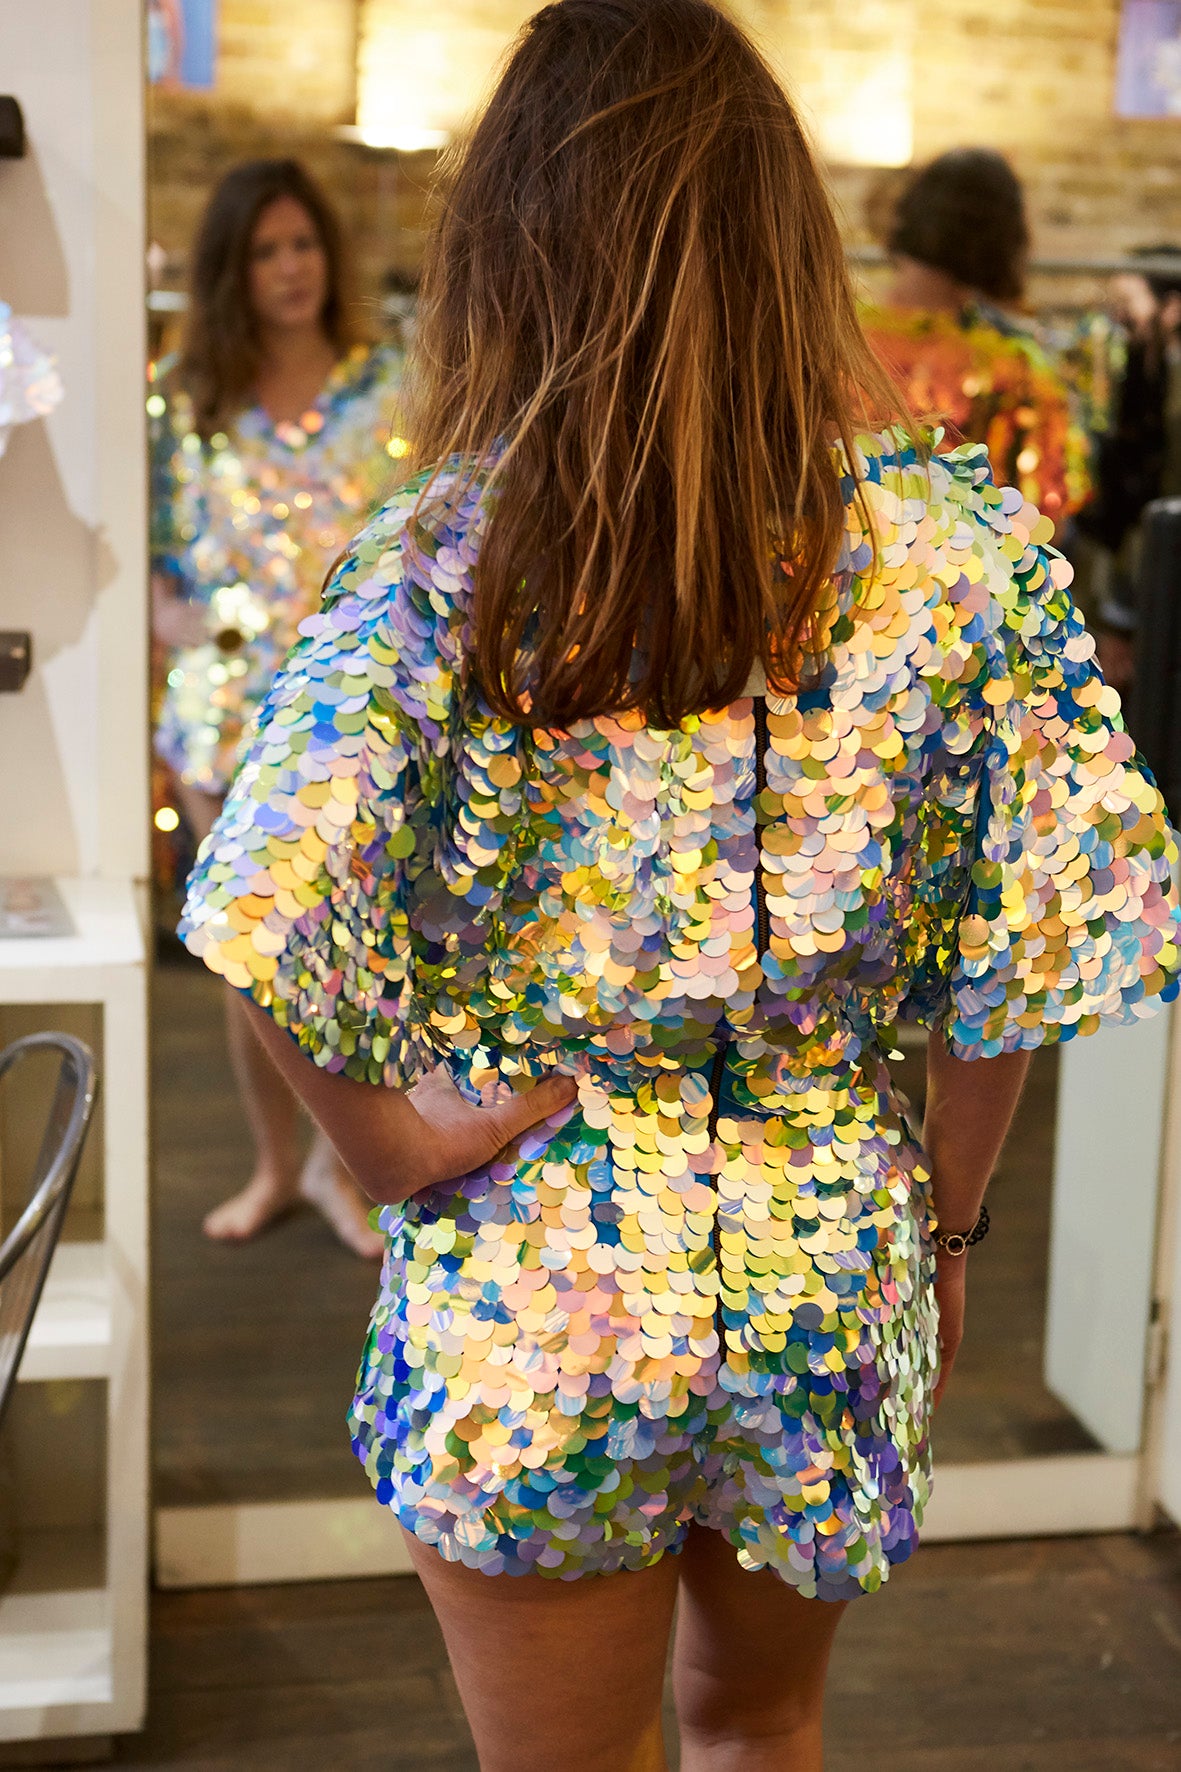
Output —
(1097, 265)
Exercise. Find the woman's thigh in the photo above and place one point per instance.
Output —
(751, 1658)
(553, 1673)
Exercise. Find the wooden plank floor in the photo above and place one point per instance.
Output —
(255, 1348)
(1057, 1656)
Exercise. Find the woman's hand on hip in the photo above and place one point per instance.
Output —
(452, 1138)
(395, 1142)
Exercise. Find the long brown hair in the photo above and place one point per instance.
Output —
(637, 284)
(220, 355)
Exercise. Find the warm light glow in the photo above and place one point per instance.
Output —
(855, 90)
(397, 447)
(418, 85)
(167, 819)
(404, 139)
(870, 122)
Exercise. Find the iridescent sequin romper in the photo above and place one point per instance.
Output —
(705, 1293)
(248, 522)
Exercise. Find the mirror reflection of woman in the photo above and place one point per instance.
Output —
(684, 732)
(272, 438)
(947, 330)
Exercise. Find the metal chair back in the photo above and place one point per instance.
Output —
(26, 1251)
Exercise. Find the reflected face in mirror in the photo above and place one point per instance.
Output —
(288, 267)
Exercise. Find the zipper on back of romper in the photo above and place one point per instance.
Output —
(763, 938)
(762, 740)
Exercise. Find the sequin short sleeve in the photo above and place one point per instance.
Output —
(1070, 918)
(298, 896)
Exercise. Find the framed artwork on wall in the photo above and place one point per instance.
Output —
(1148, 66)
(182, 43)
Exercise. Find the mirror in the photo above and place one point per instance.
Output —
(256, 1342)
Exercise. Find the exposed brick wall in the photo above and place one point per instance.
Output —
(1043, 91)
(431, 62)
(1032, 77)
(289, 57)
(855, 84)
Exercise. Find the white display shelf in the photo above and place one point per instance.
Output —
(73, 1623)
(71, 1333)
(56, 1647)
(55, 1651)
(108, 937)
(73, 1627)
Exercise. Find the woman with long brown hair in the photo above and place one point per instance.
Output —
(663, 742)
(272, 438)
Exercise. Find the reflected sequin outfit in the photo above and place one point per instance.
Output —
(250, 522)
(706, 1292)
(992, 384)
(30, 386)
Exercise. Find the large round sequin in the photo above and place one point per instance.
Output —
(705, 1292)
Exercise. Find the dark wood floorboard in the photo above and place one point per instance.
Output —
(255, 1347)
(1053, 1656)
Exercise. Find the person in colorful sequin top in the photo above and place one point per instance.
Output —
(272, 438)
(959, 241)
(664, 741)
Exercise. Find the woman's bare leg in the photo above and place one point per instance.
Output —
(749, 1666)
(557, 1674)
(273, 1118)
(277, 1181)
(328, 1186)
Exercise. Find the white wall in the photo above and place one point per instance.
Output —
(1112, 1100)
(1165, 1442)
(73, 751)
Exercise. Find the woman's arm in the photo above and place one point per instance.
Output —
(396, 1141)
(970, 1106)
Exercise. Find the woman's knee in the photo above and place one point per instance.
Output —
(717, 1710)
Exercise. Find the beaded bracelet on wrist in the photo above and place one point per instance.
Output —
(959, 1242)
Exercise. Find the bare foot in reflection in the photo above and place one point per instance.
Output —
(338, 1199)
(262, 1202)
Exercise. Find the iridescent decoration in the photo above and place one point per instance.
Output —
(30, 386)
(704, 1293)
(249, 522)
(990, 382)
